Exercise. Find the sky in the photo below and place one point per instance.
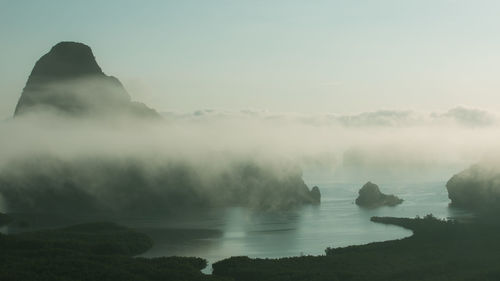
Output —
(277, 55)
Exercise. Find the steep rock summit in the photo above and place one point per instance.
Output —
(371, 197)
(68, 80)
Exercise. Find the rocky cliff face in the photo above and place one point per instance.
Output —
(476, 188)
(68, 80)
(371, 197)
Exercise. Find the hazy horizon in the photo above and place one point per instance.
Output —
(328, 56)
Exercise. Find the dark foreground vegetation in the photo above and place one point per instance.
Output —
(97, 251)
(438, 250)
(5, 219)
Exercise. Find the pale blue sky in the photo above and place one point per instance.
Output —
(279, 55)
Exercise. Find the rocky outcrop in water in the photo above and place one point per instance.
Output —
(68, 80)
(315, 195)
(370, 196)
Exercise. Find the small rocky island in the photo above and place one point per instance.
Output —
(315, 195)
(370, 196)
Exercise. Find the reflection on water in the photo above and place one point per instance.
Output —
(305, 231)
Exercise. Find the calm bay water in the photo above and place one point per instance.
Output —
(219, 234)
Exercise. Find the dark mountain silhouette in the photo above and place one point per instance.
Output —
(476, 188)
(68, 80)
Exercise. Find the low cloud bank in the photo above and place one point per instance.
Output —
(378, 145)
(210, 158)
(458, 116)
(78, 142)
(51, 164)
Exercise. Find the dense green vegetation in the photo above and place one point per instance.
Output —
(476, 188)
(5, 219)
(438, 250)
(97, 251)
(129, 185)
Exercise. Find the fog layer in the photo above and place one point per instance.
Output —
(219, 158)
(78, 142)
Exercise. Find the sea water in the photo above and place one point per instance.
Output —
(221, 233)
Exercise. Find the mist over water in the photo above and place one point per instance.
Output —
(416, 141)
(337, 222)
(412, 160)
(216, 184)
(205, 154)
